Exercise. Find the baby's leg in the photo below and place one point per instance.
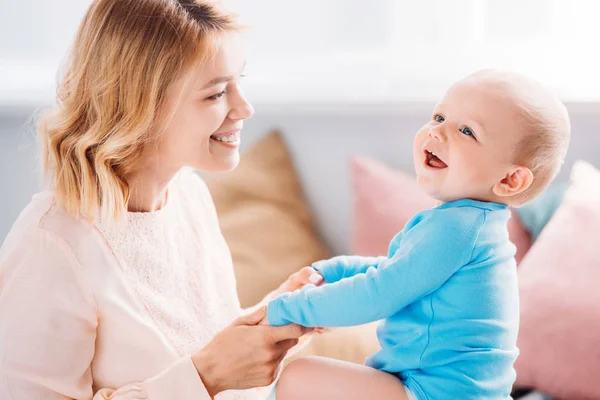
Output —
(318, 378)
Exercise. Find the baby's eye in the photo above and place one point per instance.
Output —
(438, 118)
(467, 131)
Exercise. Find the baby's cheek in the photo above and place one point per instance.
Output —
(482, 173)
(476, 173)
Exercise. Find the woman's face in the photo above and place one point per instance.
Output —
(204, 114)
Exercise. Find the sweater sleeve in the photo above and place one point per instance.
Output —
(430, 253)
(48, 321)
(341, 267)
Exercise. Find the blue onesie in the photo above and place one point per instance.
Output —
(447, 295)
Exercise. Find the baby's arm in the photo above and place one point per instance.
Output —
(341, 267)
(430, 253)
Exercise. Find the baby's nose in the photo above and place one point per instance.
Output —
(438, 134)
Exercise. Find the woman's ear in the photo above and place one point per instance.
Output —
(516, 181)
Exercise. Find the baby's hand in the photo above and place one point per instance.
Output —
(307, 275)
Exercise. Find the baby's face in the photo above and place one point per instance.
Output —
(468, 145)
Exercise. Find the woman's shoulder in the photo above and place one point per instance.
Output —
(39, 249)
(44, 230)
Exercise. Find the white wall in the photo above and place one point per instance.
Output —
(347, 50)
(337, 76)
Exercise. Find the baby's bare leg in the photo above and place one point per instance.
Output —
(318, 378)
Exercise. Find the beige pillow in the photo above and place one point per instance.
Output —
(269, 229)
(352, 344)
(265, 219)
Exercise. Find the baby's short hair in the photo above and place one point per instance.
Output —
(547, 129)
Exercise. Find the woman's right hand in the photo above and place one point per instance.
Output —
(245, 355)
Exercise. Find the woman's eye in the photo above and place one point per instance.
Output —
(438, 118)
(217, 96)
(467, 131)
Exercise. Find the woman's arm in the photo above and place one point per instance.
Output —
(48, 321)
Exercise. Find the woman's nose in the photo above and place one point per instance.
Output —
(241, 109)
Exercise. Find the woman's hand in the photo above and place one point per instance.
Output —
(245, 355)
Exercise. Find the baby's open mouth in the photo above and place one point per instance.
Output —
(433, 161)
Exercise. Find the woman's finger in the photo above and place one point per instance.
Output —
(291, 331)
(253, 318)
(287, 344)
(279, 363)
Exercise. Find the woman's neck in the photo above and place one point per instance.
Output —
(148, 190)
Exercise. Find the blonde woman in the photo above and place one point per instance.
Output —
(117, 283)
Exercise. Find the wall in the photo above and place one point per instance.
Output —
(321, 140)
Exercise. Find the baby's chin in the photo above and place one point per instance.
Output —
(437, 193)
(428, 184)
(443, 195)
(429, 188)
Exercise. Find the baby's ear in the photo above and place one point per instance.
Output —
(516, 181)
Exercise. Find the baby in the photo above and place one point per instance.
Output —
(447, 290)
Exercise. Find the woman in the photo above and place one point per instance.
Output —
(117, 283)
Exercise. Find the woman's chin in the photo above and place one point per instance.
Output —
(230, 166)
(222, 164)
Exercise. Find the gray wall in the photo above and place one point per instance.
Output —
(321, 139)
(20, 175)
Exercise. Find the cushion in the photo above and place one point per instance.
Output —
(352, 344)
(384, 201)
(560, 302)
(265, 219)
(536, 214)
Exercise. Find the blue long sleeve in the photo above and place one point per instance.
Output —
(383, 290)
(446, 293)
(341, 267)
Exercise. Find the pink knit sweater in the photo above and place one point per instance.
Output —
(92, 313)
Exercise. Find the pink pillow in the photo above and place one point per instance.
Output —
(560, 297)
(384, 201)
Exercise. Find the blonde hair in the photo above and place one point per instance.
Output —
(546, 129)
(544, 146)
(125, 56)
